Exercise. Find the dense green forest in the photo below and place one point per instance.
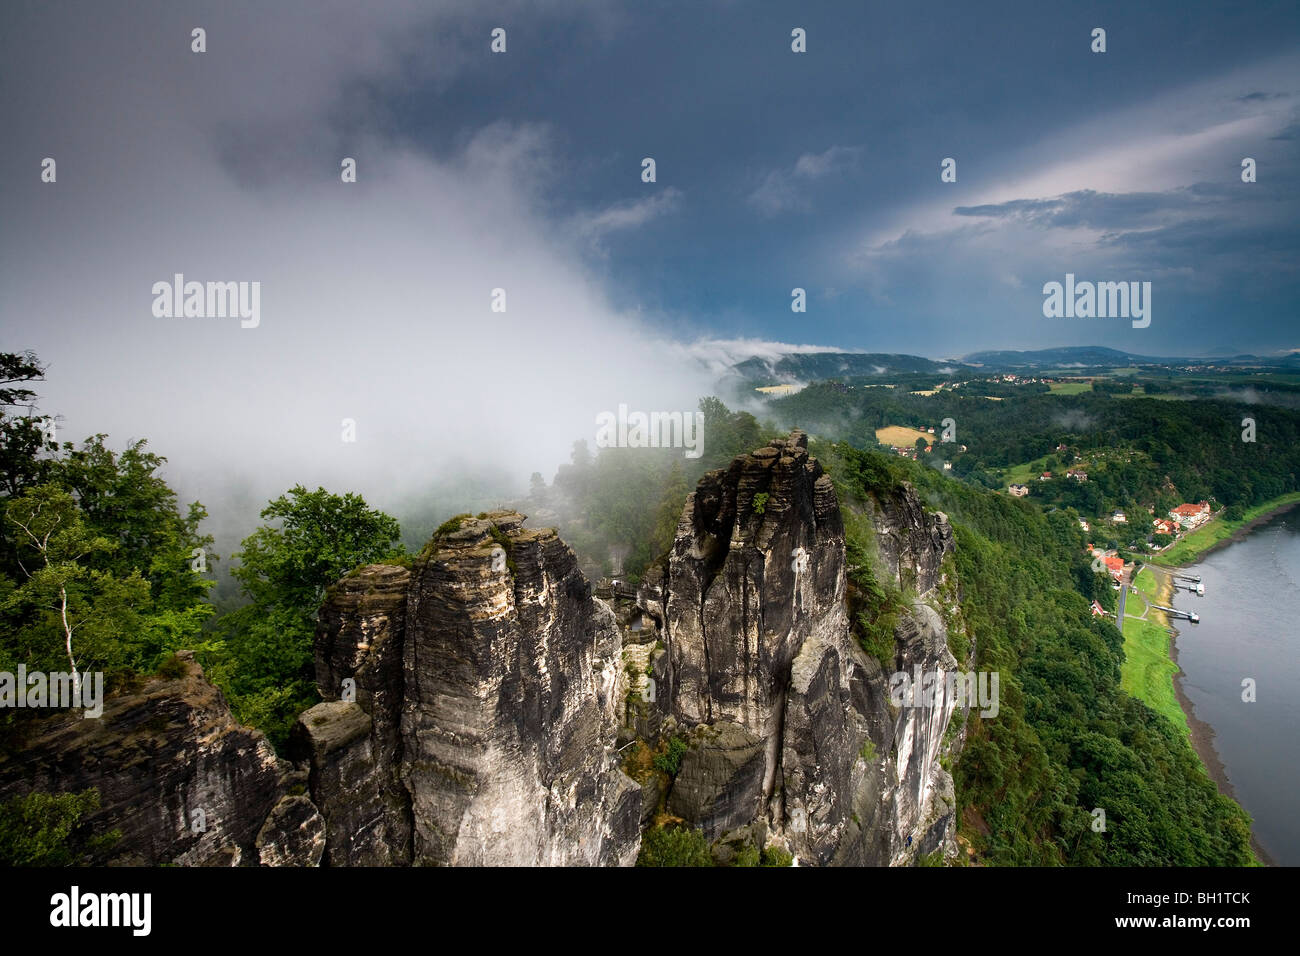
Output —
(1138, 452)
(1066, 741)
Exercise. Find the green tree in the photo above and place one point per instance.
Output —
(64, 609)
(285, 568)
(123, 499)
(42, 829)
(320, 538)
(81, 531)
(726, 434)
(669, 512)
(22, 437)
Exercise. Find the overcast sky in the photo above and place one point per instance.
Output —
(522, 171)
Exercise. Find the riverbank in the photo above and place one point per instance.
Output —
(1201, 733)
(1149, 667)
(1218, 533)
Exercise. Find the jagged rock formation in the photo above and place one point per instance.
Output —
(912, 542)
(352, 743)
(923, 794)
(177, 776)
(494, 743)
(474, 704)
(720, 783)
(751, 606)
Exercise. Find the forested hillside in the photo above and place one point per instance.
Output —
(1172, 451)
(1067, 741)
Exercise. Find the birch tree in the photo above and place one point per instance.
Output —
(76, 604)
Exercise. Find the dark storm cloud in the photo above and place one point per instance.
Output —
(1089, 208)
(522, 171)
(375, 296)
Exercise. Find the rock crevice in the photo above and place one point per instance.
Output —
(492, 708)
(750, 603)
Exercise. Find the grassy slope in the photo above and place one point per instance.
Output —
(1191, 546)
(1025, 473)
(1070, 388)
(1148, 673)
(1147, 584)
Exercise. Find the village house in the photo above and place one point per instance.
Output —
(1191, 516)
(1119, 518)
(1115, 565)
(1084, 524)
(1078, 474)
(1045, 476)
(1019, 491)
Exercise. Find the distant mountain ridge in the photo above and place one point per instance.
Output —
(807, 366)
(801, 367)
(1094, 355)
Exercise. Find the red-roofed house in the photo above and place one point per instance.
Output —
(1191, 516)
(1115, 565)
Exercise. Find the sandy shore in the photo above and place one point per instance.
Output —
(1201, 732)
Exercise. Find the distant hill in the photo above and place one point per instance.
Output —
(1080, 356)
(804, 367)
(817, 366)
(1093, 356)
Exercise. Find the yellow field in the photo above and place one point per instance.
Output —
(900, 436)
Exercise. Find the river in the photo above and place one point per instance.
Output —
(1250, 628)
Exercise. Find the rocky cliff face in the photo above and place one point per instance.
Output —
(803, 744)
(485, 715)
(474, 704)
(912, 542)
(177, 776)
(352, 743)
